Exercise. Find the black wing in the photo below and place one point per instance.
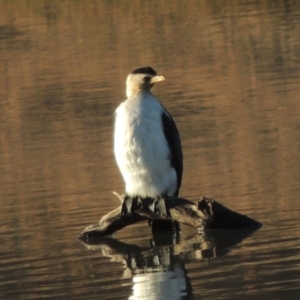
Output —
(174, 142)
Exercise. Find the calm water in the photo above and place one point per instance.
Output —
(233, 73)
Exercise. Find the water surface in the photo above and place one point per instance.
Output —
(233, 73)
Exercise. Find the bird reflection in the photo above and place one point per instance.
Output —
(158, 270)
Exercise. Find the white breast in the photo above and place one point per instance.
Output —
(141, 149)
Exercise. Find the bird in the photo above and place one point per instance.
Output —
(147, 144)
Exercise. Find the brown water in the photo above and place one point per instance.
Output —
(233, 73)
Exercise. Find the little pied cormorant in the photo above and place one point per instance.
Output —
(147, 144)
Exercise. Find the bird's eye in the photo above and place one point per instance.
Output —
(147, 79)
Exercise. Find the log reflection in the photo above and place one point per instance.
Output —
(160, 270)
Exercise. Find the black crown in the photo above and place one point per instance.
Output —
(144, 70)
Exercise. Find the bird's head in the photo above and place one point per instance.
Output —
(141, 79)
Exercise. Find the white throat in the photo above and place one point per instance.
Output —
(130, 91)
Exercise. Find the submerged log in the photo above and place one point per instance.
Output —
(204, 215)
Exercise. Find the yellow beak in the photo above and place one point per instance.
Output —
(156, 79)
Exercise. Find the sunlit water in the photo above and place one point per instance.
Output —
(232, 70)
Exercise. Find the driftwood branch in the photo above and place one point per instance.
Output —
(205, 214)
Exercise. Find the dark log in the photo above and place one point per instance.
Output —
(205, 214)
(221, 217)
(110, 223)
